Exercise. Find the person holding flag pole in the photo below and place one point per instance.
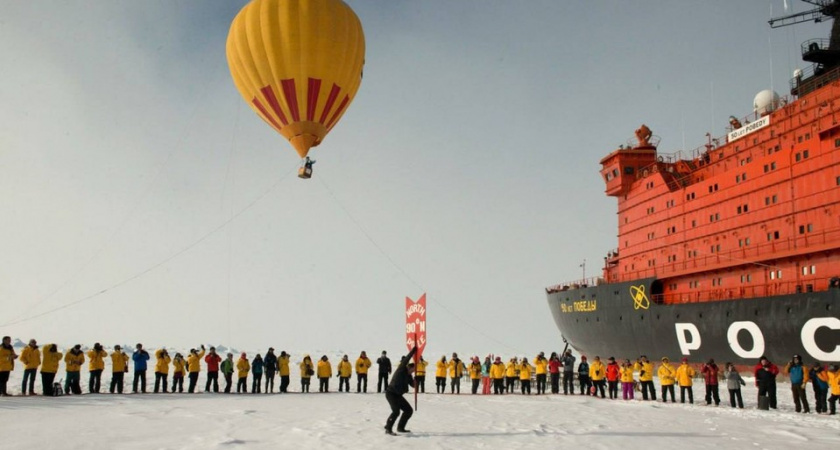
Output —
(394, 394)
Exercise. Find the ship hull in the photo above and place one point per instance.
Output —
(618, 319)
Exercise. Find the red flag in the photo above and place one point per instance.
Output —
(415, 325)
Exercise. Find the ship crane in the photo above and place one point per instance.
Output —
(824, 53)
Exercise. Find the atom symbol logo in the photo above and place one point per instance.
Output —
(640, 299)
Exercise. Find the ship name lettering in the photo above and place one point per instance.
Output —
(585, 306)
(689, 338)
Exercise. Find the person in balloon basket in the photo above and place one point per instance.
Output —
(384, 364)
(140, 358)
(363, 364)
(194, 366)
(765, 379)
(583, 376)
(667, 378)
(30, 356)
(162, 360)
(710, 373)
(178, 372)
(270, 360)
(119, 366)
(819, 377)
(685, 378)
(733, 385)
(307, 369)
(345, 371)
(834, 388)
(324, 374)
(242, 368)
(284, 371)
(798, 374)
(7, 364)
(212, 360)
(394, 392)
(227, 370)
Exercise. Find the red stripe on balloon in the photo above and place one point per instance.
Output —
(291, 98)
(312, 97)
(330, 100)
(268, 93)
(265, 113)
(338, 111)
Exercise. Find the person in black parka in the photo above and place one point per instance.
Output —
(398, 386)
(384, 370)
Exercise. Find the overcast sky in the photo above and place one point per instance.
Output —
(467, 167)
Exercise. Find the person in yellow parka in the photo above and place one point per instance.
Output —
(345, 371)
(7, 364)
(684, 376)
(179, 371)
(628, 383)
(440, 375)
(30, 356)
(497, 375)
(119, 366)
(242, 369)
(420, 374)
(511, 374)
(645, 369)
(598, 375)
(194, 366)
(456, 371)
(525, 371)
(307, 369)
(284, 371)
(833, 388)
(667, 377)
(541, 366)
(324, 374)
(475, 374)
(73, 361)
(96, 364)
(363, 364)
(162, 361)
(52, 357)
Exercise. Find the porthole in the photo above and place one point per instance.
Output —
(700, 315)
(620, 318)
(678, 316)
(641, 317)
(657, 317)
(756, 312)
(788, 310)
(828, 307)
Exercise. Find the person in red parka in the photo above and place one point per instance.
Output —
(554, 365)
(710, 374)
(212, 359)
(613, 375)
(765, 378)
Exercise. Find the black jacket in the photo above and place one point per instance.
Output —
(384, 364)
(402, 379)
(270, 361)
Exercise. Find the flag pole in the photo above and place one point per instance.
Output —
(416, 361)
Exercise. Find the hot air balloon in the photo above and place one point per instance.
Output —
(298, 64)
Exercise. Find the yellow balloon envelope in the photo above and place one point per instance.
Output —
(298, 64)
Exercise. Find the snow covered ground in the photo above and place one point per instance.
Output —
(355, 421)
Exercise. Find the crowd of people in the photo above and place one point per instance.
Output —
(596, 378)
